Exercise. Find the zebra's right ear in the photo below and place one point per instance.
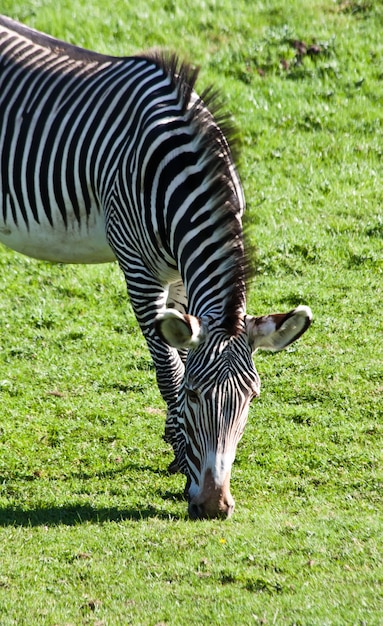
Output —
(178, 330)
(278, 330)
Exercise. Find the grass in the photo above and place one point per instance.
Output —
(92, 529)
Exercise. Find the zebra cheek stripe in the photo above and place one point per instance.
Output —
(105, 158)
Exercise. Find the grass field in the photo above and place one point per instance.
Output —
(92, 528)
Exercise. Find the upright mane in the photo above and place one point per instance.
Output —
(217, 137)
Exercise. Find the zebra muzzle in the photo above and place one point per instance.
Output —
(213, 501)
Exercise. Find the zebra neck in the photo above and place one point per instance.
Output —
(222, 304)
(215, 283)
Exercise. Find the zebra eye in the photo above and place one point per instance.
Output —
(192, 395)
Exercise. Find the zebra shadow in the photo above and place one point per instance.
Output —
(76, 515)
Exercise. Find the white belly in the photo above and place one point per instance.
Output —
(85, 243)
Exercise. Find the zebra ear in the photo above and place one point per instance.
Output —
(178, 330)
(278, 330)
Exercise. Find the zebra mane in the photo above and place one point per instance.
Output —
(184, 76)
(218, 140)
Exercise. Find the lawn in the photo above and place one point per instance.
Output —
(93, 530)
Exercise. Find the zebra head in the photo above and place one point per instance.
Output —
(219, 383)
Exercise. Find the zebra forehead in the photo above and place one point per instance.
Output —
(221, 343)
(224, 357)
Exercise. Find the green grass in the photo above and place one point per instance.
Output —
(92, 528)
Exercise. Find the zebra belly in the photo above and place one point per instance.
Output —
(83, 242)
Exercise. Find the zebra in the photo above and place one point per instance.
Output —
(117, 158)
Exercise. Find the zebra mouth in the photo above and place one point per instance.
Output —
(201, 511)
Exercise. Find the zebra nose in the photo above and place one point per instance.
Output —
(212, 500)
(208, 510)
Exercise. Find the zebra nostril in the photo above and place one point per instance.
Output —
(194, 511)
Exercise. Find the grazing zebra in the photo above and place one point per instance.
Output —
(106, 158)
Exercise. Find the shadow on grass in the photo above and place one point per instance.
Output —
(76, 515)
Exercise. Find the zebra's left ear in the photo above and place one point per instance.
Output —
(178, 330)
(278, 330)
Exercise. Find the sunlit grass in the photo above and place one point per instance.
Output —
(93, 529)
